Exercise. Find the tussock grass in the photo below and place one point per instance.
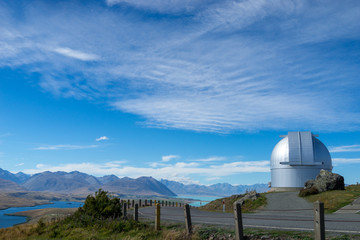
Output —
(247, 207)
(23, 231)
(336, 199)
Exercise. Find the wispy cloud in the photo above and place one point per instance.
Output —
(65, 147)
(348, 148)
(168, 158)
(173, 6)
(103, 138)
(211, 159)
(76, 54)
(218, 67)
(19, 164)
(338, 161)
(177, 171)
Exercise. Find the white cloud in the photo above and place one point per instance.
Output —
(76, 54)
(338, 161)
(178, 171)
(168, 158)
(211, 159)
(348, 148)
(103, 138)
(20, 164)
(222, 66)
(65, 147)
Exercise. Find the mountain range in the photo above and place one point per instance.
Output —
(81, 183)
(219, 189)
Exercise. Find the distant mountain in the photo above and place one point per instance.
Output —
(108, 178)
(82, 183)
(18, 178)
(73, 182)
(22, 177)
(139, 186)
(219, 189)
(10, 186)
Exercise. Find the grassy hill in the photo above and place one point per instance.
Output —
(247, 206)
(336, 199)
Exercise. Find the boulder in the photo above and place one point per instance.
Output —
(326, 181)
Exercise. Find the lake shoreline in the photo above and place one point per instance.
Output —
(34, 216)
(25, 205)
(53, 210)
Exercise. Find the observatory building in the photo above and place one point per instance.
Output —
(296, 158)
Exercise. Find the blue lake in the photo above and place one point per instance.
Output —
(8, 221)
(199, 200)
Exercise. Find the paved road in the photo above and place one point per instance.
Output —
(288, 218)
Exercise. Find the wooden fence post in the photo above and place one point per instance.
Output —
(139, 202)
(157, 217)
(319, 221)
(239, 233)
(187, 219)
(136, 212)
(128, 203)
(133, 203)
(145, 202)
(124, 209)
(150, 202)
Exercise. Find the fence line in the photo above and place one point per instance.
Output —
(319, 219)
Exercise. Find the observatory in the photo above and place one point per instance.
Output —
(296, 158)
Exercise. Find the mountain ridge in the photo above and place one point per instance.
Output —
(218, 189)
(82, 183)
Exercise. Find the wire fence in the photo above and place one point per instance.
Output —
(318, 218)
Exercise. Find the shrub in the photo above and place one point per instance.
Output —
(101, 206)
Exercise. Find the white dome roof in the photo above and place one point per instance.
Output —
(298, 157)
(317, 155)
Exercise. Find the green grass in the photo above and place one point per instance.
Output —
(130, 230)
(336, 199)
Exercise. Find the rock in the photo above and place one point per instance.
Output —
(326, 181)
(253, 195)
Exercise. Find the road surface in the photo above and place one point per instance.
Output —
(295, 214)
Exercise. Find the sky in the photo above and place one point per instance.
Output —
(187, 90)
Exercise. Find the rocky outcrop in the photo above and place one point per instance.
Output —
(324, 181)
(253, 195)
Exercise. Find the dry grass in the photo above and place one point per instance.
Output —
(334, 200)
(17, 232)
(176, 234)
(248, 205)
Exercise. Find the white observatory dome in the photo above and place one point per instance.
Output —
(298, 157)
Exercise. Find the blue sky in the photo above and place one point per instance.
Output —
(188, 90)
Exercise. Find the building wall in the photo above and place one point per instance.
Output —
(293, 177)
